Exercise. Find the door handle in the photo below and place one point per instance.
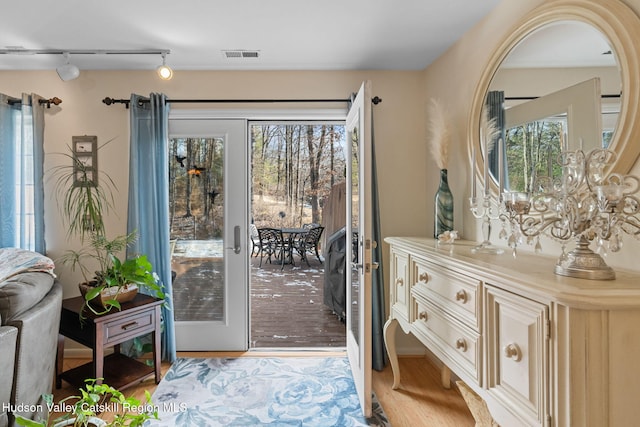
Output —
(236, 239)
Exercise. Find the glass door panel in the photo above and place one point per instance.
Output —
(208, 216)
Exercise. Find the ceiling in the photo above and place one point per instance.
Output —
(287, 34)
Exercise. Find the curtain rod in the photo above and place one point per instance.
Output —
(109, 101)
(55, 101)
(527, 98)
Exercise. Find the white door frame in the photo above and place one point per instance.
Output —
(236, 339)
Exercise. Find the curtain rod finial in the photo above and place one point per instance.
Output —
(55, 101)
(111, 101)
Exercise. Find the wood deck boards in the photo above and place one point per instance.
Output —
(287, 309)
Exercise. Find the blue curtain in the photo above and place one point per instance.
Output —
(149, 197)
(495, 105)
(21, 172)
(378, 353)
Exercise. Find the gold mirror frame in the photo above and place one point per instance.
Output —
(621, 26)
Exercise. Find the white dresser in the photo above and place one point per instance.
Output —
(540, 349)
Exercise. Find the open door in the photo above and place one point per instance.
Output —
(579, 106)
(359, 227)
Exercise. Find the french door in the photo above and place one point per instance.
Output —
(359, 226)
(210, 164)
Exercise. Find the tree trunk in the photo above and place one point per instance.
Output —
(189, 178)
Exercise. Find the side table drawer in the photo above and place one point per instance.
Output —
(120, 330)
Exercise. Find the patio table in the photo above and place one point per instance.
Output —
(290, 234)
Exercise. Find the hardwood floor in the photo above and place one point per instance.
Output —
(420, 400)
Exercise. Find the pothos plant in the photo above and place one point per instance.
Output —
(82, 410)
(113, 272)
(86, 196)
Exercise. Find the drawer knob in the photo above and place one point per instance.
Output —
(461, 295)
(423, 277)
(512, 351)
(423, 316)
(461, 344)
(399, 281)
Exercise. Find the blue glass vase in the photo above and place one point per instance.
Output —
(443, 214)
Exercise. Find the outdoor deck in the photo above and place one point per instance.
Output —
(287, 309)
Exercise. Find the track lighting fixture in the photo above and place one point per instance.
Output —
(164, 71)
(67, 71)
(70, 71)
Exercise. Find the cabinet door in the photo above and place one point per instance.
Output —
(400, 284)
(517, 350)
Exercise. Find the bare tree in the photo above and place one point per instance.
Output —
(189, 165)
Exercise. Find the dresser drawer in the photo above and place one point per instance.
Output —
(457, 344)
(120, 330)
(399, 284)
(453, 292)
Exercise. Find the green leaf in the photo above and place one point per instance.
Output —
(94, 292)
(112, 303)
(29, 423)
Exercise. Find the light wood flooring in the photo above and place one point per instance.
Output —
(421, 401)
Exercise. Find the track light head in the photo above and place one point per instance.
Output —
(164, 71)
(68, 71)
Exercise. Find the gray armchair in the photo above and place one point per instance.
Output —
(30, 303)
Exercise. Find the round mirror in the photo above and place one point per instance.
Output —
(562, 80)
(558, 89)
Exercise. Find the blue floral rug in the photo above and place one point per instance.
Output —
(248, 391)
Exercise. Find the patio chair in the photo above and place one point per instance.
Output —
(272, 244)
(255, 240)
(308, 243)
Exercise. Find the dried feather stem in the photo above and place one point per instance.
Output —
(440, 133)
(489, 131)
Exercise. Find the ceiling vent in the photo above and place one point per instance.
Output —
(241, 54)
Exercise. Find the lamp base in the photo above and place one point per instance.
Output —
(583, 263)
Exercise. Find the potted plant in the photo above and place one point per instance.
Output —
(120, 283)
(116, 281)
(85, 200)
(83, 410)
